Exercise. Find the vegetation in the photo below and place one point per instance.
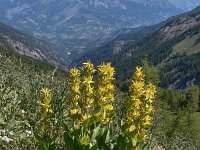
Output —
(83, 110)
(176, 68)
(21, 79)
(45, 108)
(89, 117)
(172, 46)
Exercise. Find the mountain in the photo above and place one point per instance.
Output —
(24, 44)
(77, 24)
(173, 46)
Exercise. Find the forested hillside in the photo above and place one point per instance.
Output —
(172, 46)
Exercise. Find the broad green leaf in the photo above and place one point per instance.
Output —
(107, 137)
(69, 142)
(133, 141)
(95, 132)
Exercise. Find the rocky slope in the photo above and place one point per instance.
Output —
(24, 44)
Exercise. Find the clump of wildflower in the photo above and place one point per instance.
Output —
(90, 100)
(104, 92)
(139, 107)
(45, 112)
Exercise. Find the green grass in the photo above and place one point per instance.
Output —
(187, 45)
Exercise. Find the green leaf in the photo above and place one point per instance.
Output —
(134, 142)
(89, 122)
(94, 147)
(95, 132)
(42, 143)
(122, 143)
(107, 137)
(2, 122)
(69, 142)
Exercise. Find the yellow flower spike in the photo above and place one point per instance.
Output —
(45, 112)
(87, 89)
(46, 98)
(74, 92)
(139, 106)
(90, 100)
(104, 95)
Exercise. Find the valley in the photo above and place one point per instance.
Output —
(78, 24)
(100, 74)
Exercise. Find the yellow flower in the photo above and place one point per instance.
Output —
(85, 117)
(74, 72)
(74, 88)
(104, 95)
(131, 128)
(105, 121)
(45, 112)
(139, 74)
(87, 89)
(73, 111)
(134, 103)
(85, 140)
(46, 99)
(46, 92)
(109, 107)
(88, 68)
(138, 85)
(147, 120)
(139, 106)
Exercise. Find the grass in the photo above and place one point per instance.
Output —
(187, 45)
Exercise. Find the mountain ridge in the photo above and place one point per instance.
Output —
(172, 46)
(77, 24)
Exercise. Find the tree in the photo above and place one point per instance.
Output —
(151, 73)
(192, 96)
